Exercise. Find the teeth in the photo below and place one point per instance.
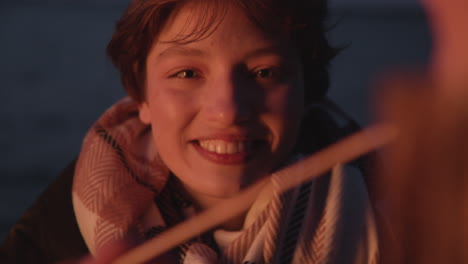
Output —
(211, 147)
(221, 148)
(224, 147)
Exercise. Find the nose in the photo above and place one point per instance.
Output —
(228, 101)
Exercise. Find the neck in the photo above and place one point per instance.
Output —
(203, 202)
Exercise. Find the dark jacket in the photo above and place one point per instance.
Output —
(47, 232)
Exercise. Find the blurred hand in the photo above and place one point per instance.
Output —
(449, 23)
(425, 173)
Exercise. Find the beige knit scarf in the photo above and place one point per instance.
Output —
(123, 191)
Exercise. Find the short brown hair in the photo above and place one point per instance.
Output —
(303, 20)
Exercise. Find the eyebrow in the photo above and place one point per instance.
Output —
(179, 50)
(269, 50)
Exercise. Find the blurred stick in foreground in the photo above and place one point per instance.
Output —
(313, 166)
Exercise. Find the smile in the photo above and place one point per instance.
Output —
(225, 147)
(228, 151)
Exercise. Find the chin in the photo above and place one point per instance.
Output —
(216, 189)
(222, 190)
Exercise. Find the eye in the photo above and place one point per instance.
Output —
(267, 73)
(185, 74)
(270, 74)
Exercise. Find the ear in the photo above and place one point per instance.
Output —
(145, 113)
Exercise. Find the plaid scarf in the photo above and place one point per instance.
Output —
(123, 191)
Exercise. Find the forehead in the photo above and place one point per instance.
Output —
(194, 23)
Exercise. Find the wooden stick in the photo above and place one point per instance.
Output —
(313, 166)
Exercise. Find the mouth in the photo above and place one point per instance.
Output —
(225, 147)
(228, 151)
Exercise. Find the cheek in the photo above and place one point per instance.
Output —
(284, 113)
(287, 103)
(171, 115)
(171, 105)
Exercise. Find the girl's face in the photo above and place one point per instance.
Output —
(224, 109)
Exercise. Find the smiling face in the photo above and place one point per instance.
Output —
(224, 109)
